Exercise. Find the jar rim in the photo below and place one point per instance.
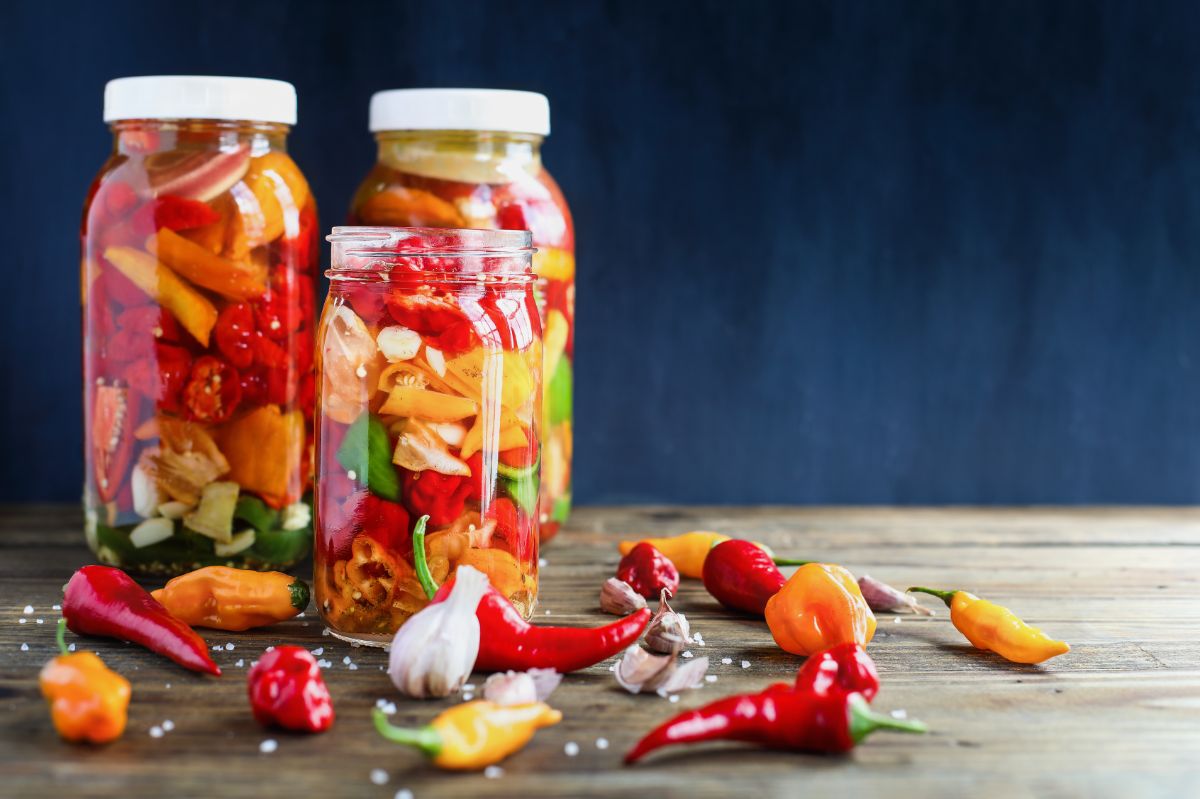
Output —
(425, 250)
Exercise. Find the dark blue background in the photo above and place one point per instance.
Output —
(846, 252)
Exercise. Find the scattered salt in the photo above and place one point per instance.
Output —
(156, 731)
(351, 474)
(240, 662)
(468, 696)
(268, 746)
(899, 714)
(56, 607)
(346, 660)
(491, 772)
(543, 563)
(41, 621)
(353, 667)
(71, 648)
(168, 686)
(745, 664)
(319, 651)
(469, 687)
(404, 793)
(24, 647)
(217, 648)
(688, 653)
(674, 698)
(389, 709)
(20, 621)
(325, 631)
(168, 725)
(229, 647)
(601, 743)
(325, 664)
(28, 610)
(547, 612)
(710, 678)
(571, 749)
(896, 620)
(379, 776)
(726, 661)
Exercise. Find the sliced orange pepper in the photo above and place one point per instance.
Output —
(264, 449)
(428, 405)
(405, 207)
(500, 567)
(230, 279)
(190, 307)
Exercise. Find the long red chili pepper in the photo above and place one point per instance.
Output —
(800, 721)
(743, 576)
(104, 601)
(845, 668)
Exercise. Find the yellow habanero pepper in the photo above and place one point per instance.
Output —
(233, 599)
(472, 735)
(997, 629)
(88, 701)
(686, 551)
(818, 607)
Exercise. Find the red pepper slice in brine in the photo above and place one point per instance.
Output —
(213, 392)
(112, 439)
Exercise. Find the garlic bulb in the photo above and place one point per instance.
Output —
(434, 651)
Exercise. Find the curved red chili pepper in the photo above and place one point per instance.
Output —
(845, 668)
(106, 602)
(799, 721)
(508, 642)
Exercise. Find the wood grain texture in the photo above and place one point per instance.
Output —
(1118, 716)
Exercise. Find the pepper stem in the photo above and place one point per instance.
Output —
(864, 721)
(945, 596)
(420, 563)
(426, 738)
(61, 637)
(790, 562)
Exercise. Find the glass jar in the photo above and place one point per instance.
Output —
(199, 243)
(429, 364)
(471, 158)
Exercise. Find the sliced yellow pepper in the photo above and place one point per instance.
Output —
(190, 307)
(432, 406)
(231, 279)
(512, 435)
(554, 342)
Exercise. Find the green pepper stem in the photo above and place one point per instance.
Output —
(864, 721)
(61, 637)
(299, 594)
(791, 562)
(420, 563)
(426, 738)
(945, 596)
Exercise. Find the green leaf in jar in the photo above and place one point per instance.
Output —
(366, 453)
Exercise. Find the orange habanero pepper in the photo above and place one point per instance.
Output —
(818, 607)
(233, 599)
(88, 701)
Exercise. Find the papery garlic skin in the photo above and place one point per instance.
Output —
(434, 652)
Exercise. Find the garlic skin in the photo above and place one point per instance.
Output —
(668, 632)
(882, 597)
(521, 687)
(618, 598)
(434, 651)
(640, 671)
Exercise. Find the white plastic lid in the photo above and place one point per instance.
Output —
(460, 109)
(200, 97)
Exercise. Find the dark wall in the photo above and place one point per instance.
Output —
(846, 252)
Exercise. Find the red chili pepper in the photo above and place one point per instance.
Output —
(386, 522)
(648, 571)
(235, 334)
(213, 392)
(743, 576)
(180, 213)
(153, 319)
(441, 497)
(119, 199)
(161, 377)
(443, 325)
(800, 721)
(508, 642)
(113, 411)
(846, 668)
(508, 518)
(106, 602)
(286, 690)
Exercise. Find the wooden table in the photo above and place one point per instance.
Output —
(1118, 716)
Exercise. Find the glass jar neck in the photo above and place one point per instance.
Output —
(469, 156)
(140, 136)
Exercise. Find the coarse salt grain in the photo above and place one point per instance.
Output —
(468, 696)
(543, 563)
(325, 664)
(24, 647)
(71, 648)
(710, 678)
(896, 620)
(240, 662)
(41, 621)
(571, 749)
(674, 698)
(28, 610)
(228, 647)
(156, 731)
(547, 612)
(325, 631)
(726, 661)
(217, 648)
(745, 664)
(688, 654)
(389, 709)
(353, 667)
(268, 746)
(379, 776)
(319, 651)
(346, 660)
(56, 607)
(168, 725)
(601, 743)
(900, 714)
(493, 772)
(20, 621)
(403, 793)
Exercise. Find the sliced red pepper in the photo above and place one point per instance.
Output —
(508, 520)
(254, 385)
(151, 318)
(443, 324)
(213, 392)
(439, 496)
(278, 315)
(386, 522)
(181, 213)
(510, 215)
(112, 438)
(113, 285)
(235, 333)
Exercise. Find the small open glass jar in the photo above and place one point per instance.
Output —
(429, 372)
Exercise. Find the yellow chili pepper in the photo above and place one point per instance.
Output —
(233, 599)
(997, 629)
(88, 701)
(686, 551)
(818, 607)
(472, 735)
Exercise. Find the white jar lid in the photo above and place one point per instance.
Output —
(200, 97)
(460, 109)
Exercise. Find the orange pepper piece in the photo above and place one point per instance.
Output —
(264, 449)
(190, 307)
(88, 701)
(500, 567)
(231, 279)
(818, 607)
(233, 599)
(406, 207)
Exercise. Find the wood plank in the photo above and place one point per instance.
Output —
(1119, 715)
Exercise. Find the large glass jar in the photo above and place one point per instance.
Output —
(429, 364)
(471, 158)
(199, 251)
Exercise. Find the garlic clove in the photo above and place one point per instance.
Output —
(639, 670)
(682, 678)
(521, 687)
(398, 343)
(668, 632)
(618, 598)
